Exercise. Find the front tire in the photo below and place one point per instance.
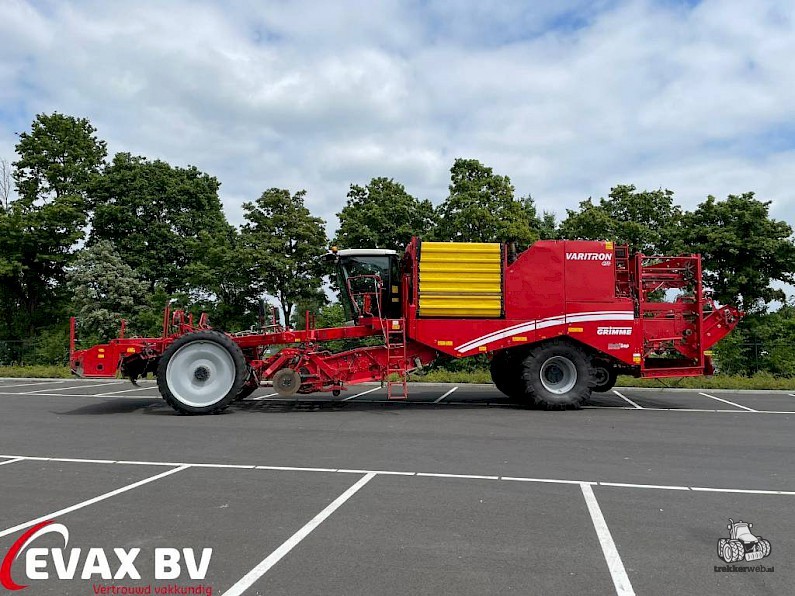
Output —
(765, 545)
(558, 375)
(201, 373)
(605, 377)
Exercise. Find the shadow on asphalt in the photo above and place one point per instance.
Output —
(156, 407)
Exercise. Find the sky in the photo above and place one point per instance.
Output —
(568, 98)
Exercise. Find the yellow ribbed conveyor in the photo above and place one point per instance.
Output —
(460, 279)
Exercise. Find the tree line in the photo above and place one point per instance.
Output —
(110, 238)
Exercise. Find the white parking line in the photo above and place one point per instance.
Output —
(545, 480)
(106, 393)
(726, 401)
(294, 469)
(378, 472)
(702, 410)
(658, 486)
(743, 491)
(261, 397)
(445, 395)
(183, 465)
(66, 388)
(255, 574)
(464, 476)
(614, 563)
(40, 383)
(77, 506)
(12, 460)
(362, 393)
(626, 399)
(40, 394)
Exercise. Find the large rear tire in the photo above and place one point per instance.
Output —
(721, 545)
(201, 372)
(558, 375)
(506, 373)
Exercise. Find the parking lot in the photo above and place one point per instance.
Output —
(453, 491)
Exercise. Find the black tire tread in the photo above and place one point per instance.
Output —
(738, 550)
(558, 347)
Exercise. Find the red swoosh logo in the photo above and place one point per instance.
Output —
(5, 569)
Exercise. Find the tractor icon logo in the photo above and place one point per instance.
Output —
(742, 544)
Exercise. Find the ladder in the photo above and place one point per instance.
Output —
(395, 342)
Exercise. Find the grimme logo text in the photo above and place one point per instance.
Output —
(27, 562)
(614, 331)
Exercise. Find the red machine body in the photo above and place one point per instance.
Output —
(642, 315)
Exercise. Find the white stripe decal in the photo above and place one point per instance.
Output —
(506, 331)
(531, 326)
(594, 316)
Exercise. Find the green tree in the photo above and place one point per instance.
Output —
(105, 289)
(58, 159)
(731, 354)
(481, 208)
(648, 221)
(313, 303)
(743, 250)
(284, 242)
(155, 215)
(382, 215)
(548, 226)
(222, 278)
(10, 276)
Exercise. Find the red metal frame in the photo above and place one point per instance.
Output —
(593, 292)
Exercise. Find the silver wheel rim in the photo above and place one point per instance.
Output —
(558, 375)
(200, 373)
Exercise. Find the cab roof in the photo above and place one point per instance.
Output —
(365, 252)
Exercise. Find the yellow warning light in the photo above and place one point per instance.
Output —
(334, 249)
(131, 350)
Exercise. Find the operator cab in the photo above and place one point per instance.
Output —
(369, 281)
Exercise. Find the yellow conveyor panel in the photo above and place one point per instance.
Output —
(460, 279)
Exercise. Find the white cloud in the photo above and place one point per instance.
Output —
(567, 99)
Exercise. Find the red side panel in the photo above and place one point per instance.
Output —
(534, 283)
(554, 288)
(97, 361)
(590, 272)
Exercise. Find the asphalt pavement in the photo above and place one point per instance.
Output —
(453, 491)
